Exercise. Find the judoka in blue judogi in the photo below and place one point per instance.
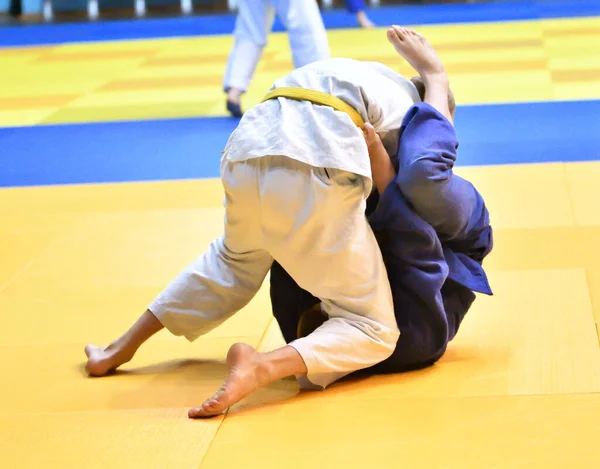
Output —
(434, 232)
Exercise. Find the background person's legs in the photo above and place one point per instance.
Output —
(253, 23)
(357, 8)
(306, 31)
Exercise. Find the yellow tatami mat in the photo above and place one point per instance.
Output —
(518, 388)
(500, 62)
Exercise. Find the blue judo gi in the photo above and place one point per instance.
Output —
(433, 230)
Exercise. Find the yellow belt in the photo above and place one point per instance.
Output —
(316, 97)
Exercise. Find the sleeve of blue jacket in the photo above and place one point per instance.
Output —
(427, 152)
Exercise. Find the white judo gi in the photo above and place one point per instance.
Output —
(296, 178)
(306, 33)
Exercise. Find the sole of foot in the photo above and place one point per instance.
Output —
(243, 377)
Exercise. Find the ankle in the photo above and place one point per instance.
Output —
(266, 369)
(234, 95)
(280, 363)
(119, 348)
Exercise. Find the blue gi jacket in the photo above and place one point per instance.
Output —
(433, 230)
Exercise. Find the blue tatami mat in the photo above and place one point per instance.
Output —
(190, 148)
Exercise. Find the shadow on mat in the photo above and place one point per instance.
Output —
(185, 383)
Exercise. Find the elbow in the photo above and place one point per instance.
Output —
(430, 166)
(422, 179)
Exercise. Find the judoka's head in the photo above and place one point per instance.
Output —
(420, 86)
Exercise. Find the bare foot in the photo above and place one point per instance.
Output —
(246, 374)
(417, 50)
(103, 360)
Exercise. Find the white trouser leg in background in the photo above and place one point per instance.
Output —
(312, 221)
(253, 24)
(303, 22)
(306, 32)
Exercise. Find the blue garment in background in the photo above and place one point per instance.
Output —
(354, 6)
(434, 232)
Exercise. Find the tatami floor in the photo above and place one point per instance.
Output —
(80, 259)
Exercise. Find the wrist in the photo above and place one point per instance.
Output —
(436, 79)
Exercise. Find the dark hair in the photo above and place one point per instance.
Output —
(420, 86)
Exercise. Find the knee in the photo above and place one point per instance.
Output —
(248, 34)
(409, 356)
(427, 355)
(387, 340)
(379, 340)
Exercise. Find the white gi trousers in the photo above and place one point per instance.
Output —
(306, 33)
(312, 220)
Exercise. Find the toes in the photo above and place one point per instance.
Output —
(211, 405)
(408, 34)
(393, 36)
(196, 413)
(420, 36)
(95, 369)
(400, 32)
(210, 408)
